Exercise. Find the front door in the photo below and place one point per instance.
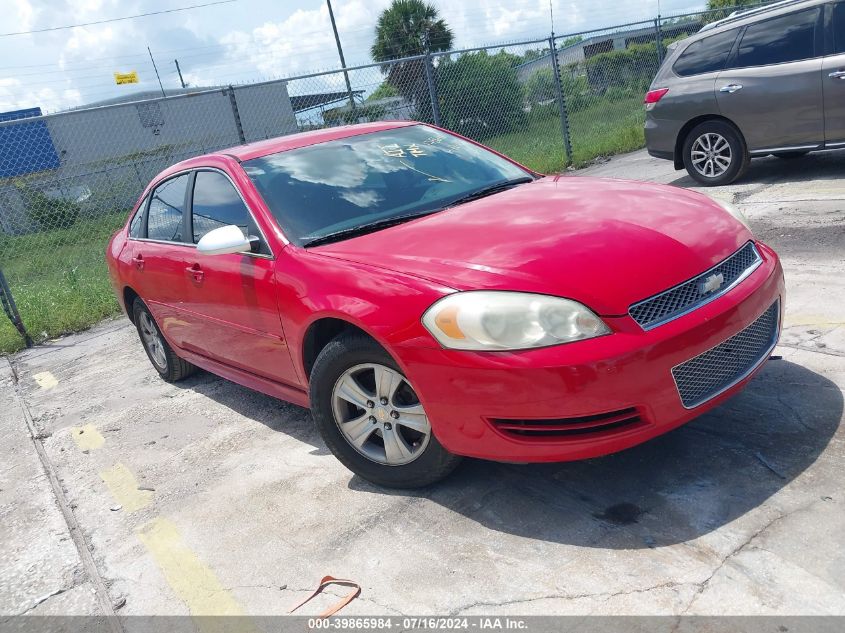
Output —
(833, 78)
(772, 87)
(231, 299)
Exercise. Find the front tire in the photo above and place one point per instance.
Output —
(168, 365)
(370, 417)
(715, 154)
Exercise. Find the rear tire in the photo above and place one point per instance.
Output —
(370, 418)
(168, 365)
(715, 154)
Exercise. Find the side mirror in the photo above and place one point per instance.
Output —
(226, 239)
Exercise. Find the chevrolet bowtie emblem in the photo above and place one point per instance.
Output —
(711, 284)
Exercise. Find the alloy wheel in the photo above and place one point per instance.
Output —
(152, 340)
(380, 415)
(711, 155)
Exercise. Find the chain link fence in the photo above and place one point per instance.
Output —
(68, 180)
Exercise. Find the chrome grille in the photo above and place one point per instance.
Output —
(719, 368)
(689, 295)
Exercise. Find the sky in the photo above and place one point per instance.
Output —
(245, 41)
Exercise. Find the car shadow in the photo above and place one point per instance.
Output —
(669, 490)
(276, 415)
(770, 169)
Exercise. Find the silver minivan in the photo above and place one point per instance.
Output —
(768, 81)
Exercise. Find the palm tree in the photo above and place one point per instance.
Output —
(405, 29)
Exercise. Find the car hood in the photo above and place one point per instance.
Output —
(605, 243)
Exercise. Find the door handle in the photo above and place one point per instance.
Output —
(838, 74)
(139, 261)
(731, 88)
(196, 272)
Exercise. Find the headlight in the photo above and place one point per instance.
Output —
(739, 215)
(497, 320)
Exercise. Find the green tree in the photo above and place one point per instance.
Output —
(730, 4)
(383, 91)
(718, 9)
(405, 29)
(541, 85)
(480, 94)
(535, 53)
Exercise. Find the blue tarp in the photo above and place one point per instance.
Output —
(26, 147)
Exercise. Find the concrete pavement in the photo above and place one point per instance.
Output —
(207, 498)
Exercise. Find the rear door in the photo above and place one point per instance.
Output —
(158, 256)
(231, 299)
(833, 77)
(772, 86)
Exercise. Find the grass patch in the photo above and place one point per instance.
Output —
(604, 129)
(59, 279)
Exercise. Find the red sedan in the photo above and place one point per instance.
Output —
(429, 298)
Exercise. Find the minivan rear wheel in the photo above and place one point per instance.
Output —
(715, 154)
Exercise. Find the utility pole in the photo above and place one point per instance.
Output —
(155, 68)
(342, 61)
(179, 70)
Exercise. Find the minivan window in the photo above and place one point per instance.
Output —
(136, 225)
(217, 203)
(838, 26)
(706, 55)
(789, 38)
(164, 219)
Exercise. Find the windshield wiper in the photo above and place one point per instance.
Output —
(363, 229)
(489, 190)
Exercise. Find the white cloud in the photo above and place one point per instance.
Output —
(247, 42)
(14, 95)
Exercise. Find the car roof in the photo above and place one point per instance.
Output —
(742, 18)
(302, 139)
(249, 151)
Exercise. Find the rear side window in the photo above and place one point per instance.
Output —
(217, 203)
(838, 26)
(789, 38)
(136, 226)
(167, 204)
(706, 55)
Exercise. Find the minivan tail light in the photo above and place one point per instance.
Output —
(653, 96)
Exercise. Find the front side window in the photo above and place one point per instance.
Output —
(706, 55)
(789, 38)
(136, 226)
(333, 189)
(216, 203)
(164, 219)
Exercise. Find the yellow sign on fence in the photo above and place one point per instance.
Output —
(126, 78)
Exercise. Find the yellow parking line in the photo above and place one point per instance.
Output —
(45, 380)
(190, 578)
(124, 488)
(87, 437)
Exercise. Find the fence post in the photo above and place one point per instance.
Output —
(561, 101)
(236, 114)
(432, 86)
(11, 309)
(658, 39)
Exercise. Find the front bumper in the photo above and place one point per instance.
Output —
(630, 369)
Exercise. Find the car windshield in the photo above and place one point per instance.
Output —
(331, 189)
